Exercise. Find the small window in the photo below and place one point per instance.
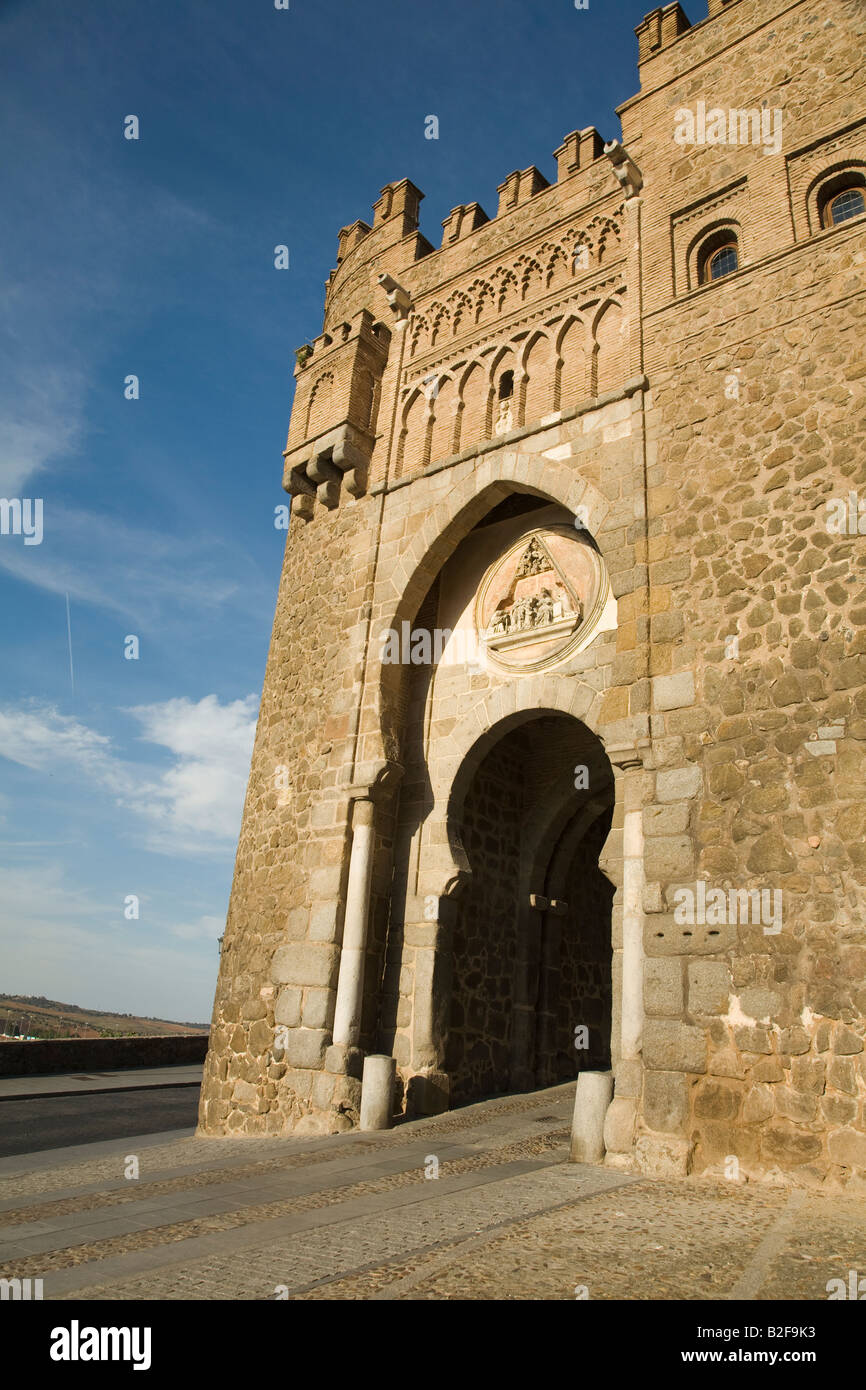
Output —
(841, 197)
(506, 385)
(717, 255)
(849, 203)
(722, 262)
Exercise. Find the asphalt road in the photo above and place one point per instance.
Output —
(52, 1122)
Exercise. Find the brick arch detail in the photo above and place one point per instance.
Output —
(458, 755)
(473, 491)
(469, 498)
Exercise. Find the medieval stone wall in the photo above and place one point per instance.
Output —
(704, 435)
(756, 421)
(280, 950)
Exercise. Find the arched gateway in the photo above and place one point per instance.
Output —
(531, 952)
(565, 643)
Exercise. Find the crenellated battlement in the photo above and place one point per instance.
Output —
(662, 27)
(544, 280)
(396, 211)
(338, 381)
(659, 29)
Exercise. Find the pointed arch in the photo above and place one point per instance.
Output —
(610, 365)
(400, 592)
(443, 432)
(505, 396)
(572, 359)
(539, 367)
(474, 406)
(319, 408)
(413, 443)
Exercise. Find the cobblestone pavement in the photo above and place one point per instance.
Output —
(361, 1216)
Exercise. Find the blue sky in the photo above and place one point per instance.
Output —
(155, 257)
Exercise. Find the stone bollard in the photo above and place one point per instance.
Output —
(377, 1092)
(593, 1096)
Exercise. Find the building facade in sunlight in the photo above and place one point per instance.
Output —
(559, 760)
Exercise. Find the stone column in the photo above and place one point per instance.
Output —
(591, 1101)
(377, 1092)
(632, 931)
(350, 983)
(627, 1036)
(628, 875)
(429, 1086)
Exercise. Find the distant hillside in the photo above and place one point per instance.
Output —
(36, 1016)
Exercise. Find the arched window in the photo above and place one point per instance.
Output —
(849, 203)
(506, 385)
(719, 256)
(723, 261)
(842, 197)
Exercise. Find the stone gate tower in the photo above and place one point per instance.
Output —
(559, 758)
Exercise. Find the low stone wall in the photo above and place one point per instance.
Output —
(46, 1056)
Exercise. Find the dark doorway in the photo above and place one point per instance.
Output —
(531, 948)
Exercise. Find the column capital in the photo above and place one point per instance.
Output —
(627, 756)
(379, 781)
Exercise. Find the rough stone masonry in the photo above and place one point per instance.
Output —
(599, 449)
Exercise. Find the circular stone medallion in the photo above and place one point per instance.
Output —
(540, 600)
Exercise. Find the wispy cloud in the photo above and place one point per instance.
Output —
(192, 806)
(205, 929)
(195, 806)
(54, 936)
(41, 738)
(144, 574)
(41, 419)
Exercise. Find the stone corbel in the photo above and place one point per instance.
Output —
(303, 505)
(352, 463)
(328, 493)
(303, 495)
(625, 170)
(356, 480)
(327, 478)
(321, 470)
(299, 483)
(399, 300)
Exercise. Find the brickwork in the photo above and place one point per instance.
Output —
(484, 947)
(569, 360)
